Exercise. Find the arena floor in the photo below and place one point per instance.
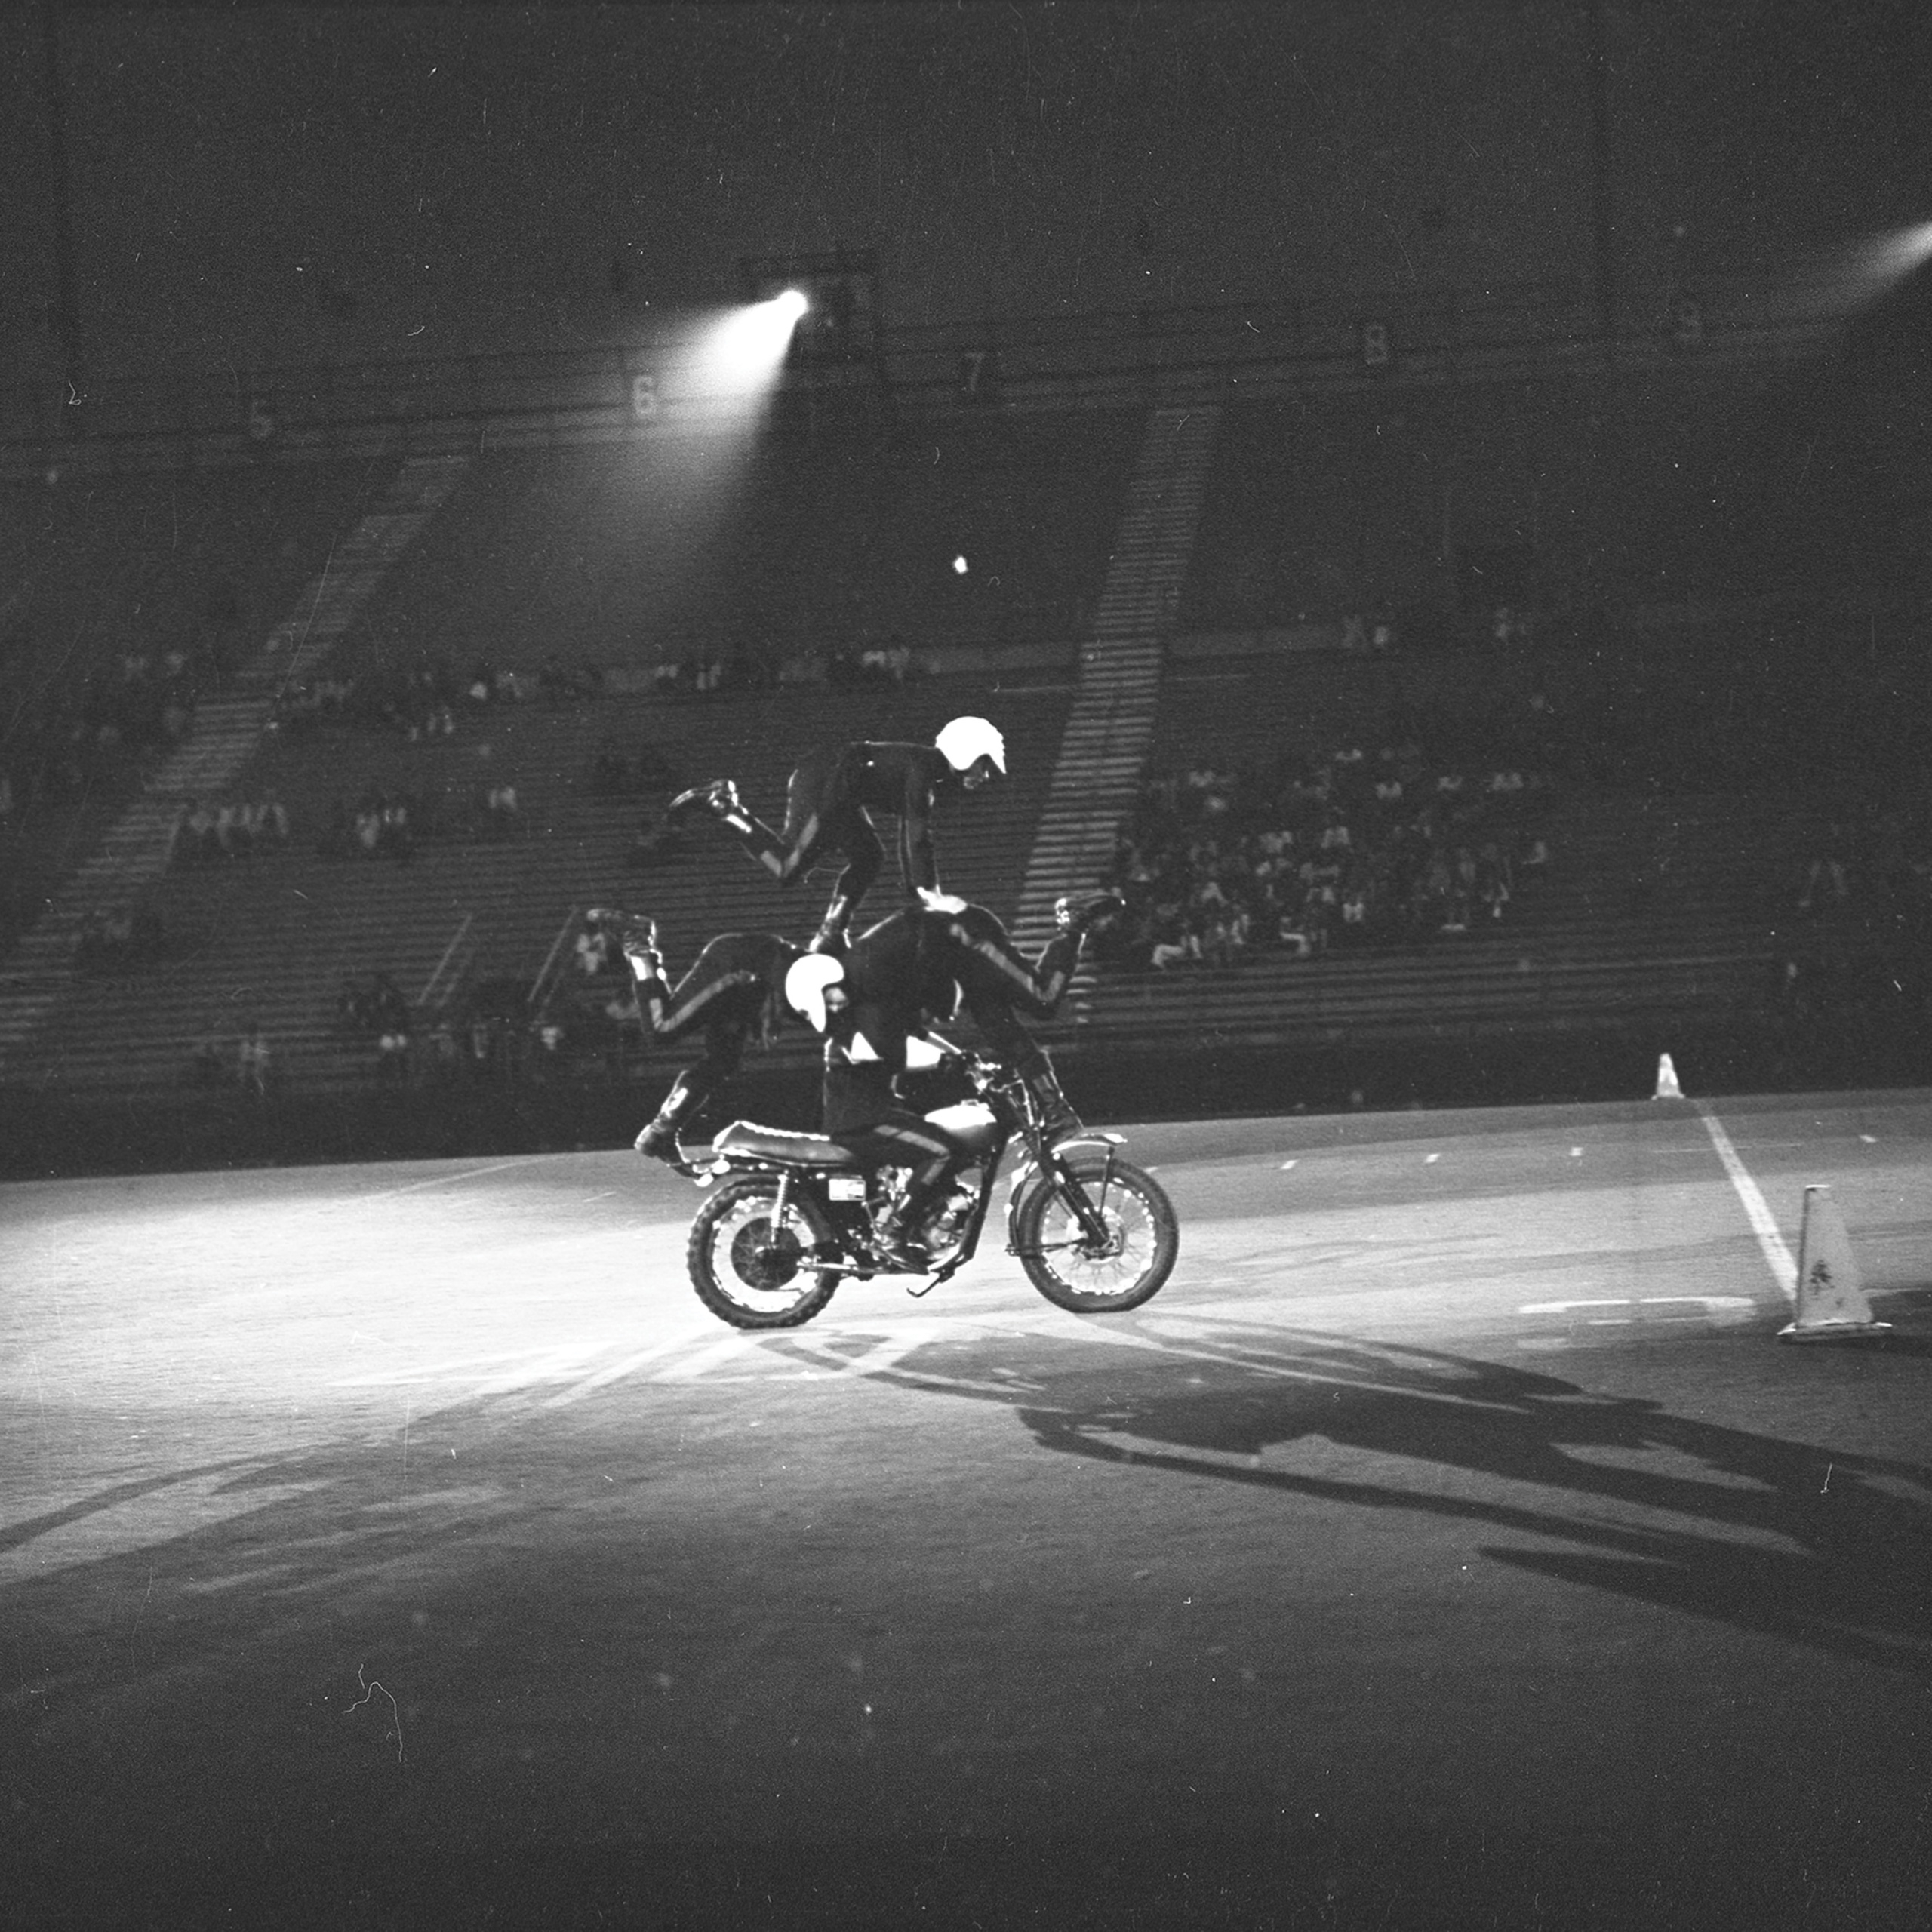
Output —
(1451, 1543)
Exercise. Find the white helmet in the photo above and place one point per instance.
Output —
(805, 982)
(967, 740)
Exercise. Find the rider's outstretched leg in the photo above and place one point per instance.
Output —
(659, 1138)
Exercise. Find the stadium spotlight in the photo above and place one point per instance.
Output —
(1889, 259)
(741, 353)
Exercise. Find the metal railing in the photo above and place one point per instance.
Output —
(441, 986)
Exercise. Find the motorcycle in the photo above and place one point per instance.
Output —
(792, 1215)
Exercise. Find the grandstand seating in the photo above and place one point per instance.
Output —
(1667, 486)
(1653, 903)
(271, 937)
(638, 553)
(1610, 937)
(94, 566)
(99, 565)
(603, 554)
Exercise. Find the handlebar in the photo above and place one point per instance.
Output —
(982, 1072)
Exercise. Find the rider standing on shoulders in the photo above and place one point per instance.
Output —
(829, 804)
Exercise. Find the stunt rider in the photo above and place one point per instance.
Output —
(865, 1050)
(829, 802)
(735, 990)
(926, 961)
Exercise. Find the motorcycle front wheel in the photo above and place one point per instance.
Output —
(745, 1271)
(1098, 1277)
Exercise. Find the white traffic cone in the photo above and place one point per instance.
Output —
(1667, 1087)
(1832, 1305)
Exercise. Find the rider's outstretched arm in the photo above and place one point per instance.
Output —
(992, 965)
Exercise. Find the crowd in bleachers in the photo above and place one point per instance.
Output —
(206, 832)
(137, 708)
(880, 665)
(427, 699)
(247, 1062)
(1307, 854)
(391, 824)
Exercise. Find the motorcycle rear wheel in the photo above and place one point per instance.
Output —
(1143, 1238)
(744, 1275)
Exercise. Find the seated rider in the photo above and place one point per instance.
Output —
(931, 959)
(865, 1051)
(735, 989)
(828, 802)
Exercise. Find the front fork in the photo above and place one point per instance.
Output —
(1054, 1173)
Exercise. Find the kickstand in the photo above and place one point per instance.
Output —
(932, 1281)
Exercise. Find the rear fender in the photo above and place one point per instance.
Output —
(804, 1191)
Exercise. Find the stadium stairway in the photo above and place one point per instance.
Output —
(134, 853)
(1111, 721)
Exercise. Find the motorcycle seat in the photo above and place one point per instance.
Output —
(808, 1150)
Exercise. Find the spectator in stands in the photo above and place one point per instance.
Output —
(594, 950)
(388, 1007)
(354, 1011)
(503, 813)
(395, 836)
(254, 1061)
(1824, 870)
(443, 1054)
(393, 1056)
(485, 1042)
(548, 1040)
(1174, 941)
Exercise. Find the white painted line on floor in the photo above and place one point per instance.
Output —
(616, 1371)
(1777, 1256)
(693, 1366)
(1286, 1165)
(1698, 1301)
(1711, 1305)
(414, 1187)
